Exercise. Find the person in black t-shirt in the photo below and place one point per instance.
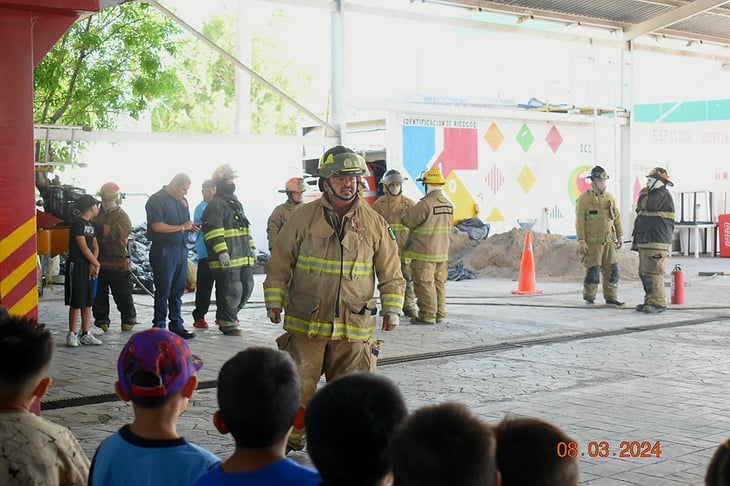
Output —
(82, 268)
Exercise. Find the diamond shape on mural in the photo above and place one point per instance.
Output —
(526, 179)
(554, 139)
(495, 216)
(494, 137)
(525, 138)
(494, 179)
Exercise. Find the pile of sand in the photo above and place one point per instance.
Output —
(556, 257)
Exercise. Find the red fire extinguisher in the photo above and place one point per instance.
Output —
(677, 285)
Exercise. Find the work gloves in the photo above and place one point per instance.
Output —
(225, 259)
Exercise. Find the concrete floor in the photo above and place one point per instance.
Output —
(599, 373)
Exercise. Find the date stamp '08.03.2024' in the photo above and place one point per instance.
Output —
(625, 449)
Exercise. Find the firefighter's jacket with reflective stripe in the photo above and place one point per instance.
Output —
(597, 219)
(226, 229)
(113, 228)
(391, 208)
(654, 225)
(277, 219)
(430, 222)
(323, 269)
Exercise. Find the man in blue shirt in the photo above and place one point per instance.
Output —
(168, 220)
(204, 283)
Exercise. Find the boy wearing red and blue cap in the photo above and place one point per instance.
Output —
(157, 373)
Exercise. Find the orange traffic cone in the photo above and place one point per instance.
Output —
(526, 285)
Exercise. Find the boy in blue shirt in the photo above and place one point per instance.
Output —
(258, 398)
(157, 374)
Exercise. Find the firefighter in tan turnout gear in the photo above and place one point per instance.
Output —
(231, 251)
(294, 190)
(391, 206)
(599, 232)
(322, 273)
(430, 222)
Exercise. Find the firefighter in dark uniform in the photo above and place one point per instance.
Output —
(231, 251)
(653, 232)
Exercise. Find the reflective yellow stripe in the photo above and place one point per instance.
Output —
(391, 300)
(214, 233)
(327, 329)
(661, 214)
(433, 230)
(220, 247)
(235, 232)
(426, 257)
(397, 227)
(235, 263)
(332, 267)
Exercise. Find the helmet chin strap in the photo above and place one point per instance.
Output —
(394, 194)
(332, 192)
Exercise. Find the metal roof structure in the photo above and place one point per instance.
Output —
(693, 21)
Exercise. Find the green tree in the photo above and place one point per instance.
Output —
(269, 113)
(116, 61)
(204, 102)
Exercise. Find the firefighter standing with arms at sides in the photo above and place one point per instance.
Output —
(600, 233)
(204, 281)
(653, 232)
(322, 273)
(390, 206)
(294, 190)
(430, 222)
(113, 228)
(231, 251)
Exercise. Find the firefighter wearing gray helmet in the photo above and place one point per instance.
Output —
(294, 189)
(390, 206)
(600, 233)
(653, 231)
(324, 270)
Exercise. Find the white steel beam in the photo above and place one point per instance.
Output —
(669, 18)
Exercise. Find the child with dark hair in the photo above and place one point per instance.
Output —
(349, 424)
(259, 396)
(157, 374)
(34, 450)
(718, 471)
(82, 268)
(444, 444)
(526, 454)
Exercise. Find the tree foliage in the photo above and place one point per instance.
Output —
(270, 114)
(110, 63)
(204, 100)
(131, 59)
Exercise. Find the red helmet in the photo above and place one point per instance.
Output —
(109, 192)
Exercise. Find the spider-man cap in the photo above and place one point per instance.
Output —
(156, 363)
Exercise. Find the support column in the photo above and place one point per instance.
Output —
(28, 29)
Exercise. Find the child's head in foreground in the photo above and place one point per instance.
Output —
(26, 348)
(527, 454)
(444, 444)
(155, 366)
(349, 424)
(259, 394)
